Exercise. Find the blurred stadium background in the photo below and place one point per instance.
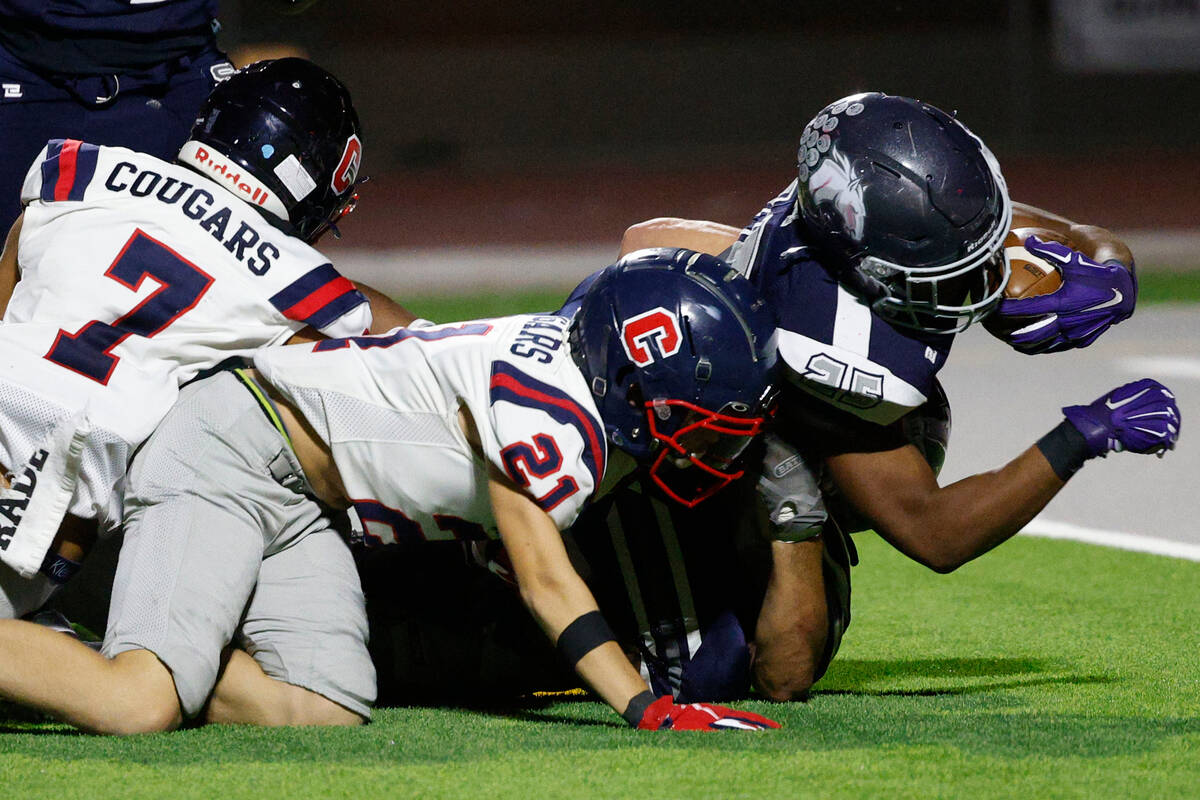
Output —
(510, 144)
(545, 123)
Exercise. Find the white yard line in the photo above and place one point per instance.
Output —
(1161, 366)
(1048, 529)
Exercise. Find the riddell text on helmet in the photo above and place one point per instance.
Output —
(232, 176)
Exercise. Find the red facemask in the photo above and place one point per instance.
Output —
(699, 458)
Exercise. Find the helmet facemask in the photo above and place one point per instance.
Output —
(700, 457)
(679, 353)
(945, 298)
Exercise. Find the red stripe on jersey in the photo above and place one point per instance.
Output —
(318, 299)
(66, 169)
(585, 426)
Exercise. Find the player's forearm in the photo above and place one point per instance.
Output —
(559, 599)
(702, 236)
(1098, 244)
(959, 522)
(386, 313)
(789, 636)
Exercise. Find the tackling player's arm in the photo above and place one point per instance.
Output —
(702, 236)
(386, 314)
(790, 633)
(565, 609)
(8, 264)
(553, 590)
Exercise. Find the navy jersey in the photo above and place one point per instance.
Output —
(114, 17)
(98, 37)
(834, 347)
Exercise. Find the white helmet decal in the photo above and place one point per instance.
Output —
(834, 180)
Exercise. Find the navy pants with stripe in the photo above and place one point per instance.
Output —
(150, 111)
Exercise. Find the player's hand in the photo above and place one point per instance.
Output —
(1140, 417)
(1092, 298)
(664, 714)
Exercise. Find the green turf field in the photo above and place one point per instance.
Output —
(1046, 669)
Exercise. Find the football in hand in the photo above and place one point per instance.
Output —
(1030, 276)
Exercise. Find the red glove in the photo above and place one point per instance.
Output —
(663, 714)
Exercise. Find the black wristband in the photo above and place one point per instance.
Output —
(1065, 449)
(58, 568)
(586, 633)
(636, 709)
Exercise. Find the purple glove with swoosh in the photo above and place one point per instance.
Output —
(1092, 297)
(1140, 417)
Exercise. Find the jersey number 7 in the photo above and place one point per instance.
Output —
(88, 350)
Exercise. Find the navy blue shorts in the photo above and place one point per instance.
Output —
(150, 111)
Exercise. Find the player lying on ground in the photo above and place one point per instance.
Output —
(462, 431)
(137, 274)
(887, 244)
(682, 588)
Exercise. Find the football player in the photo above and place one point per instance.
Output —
(114, 73)
(887, 244)
(137, 274)
(492, 428)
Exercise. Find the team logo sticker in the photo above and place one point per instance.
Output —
(347, 168)
(651, 336)
(222, 71)
(834, 181)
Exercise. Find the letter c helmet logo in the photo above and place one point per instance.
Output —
(347, 168)
(651, 336)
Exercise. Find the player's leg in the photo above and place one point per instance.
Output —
(305, 631)
(154, 112)
(207, 501)
(245, 695)
(65, 678)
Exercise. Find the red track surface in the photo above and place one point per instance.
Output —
(454, 208)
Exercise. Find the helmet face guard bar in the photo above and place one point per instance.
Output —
(698, 458)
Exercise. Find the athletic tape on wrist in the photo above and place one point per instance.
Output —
(586, 633)
(1065, 449)
(636, 709)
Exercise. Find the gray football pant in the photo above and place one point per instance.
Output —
(223, 543)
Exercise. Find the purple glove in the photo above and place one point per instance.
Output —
(1092, 297)
(1140, 417)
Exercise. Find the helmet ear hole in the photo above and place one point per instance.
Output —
(633, 394)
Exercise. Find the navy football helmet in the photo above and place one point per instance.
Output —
(284, 136)
(908, 206)
(678, 350)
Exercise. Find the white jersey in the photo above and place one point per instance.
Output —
(389, 406)
(136, 274)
